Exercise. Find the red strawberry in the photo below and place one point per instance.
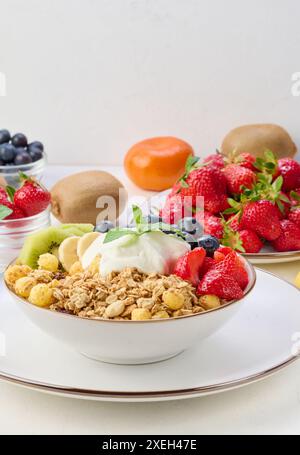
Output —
(208, 263)
(220, 284)
(212, 225)
(224, 250)
(3, 196)
(289, 240)
(215, 161)
(218, 256)
(237, 177)
(16, 212)
(262, 217)
(234, 223)
(188, 266)
(209, 183)
(294, 216)
(250, 241)
(32, 198)
(290, 171)
(176, 208)
(246, 160)
(232, 265)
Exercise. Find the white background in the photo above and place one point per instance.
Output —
(91, 77)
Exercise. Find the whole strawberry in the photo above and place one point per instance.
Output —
(209, 183)
(294, 216)
(32, 198)
(220, 284)
(246, 160)
(262, 217)
(215, 160)
(290, 171)
(188, 266)
(250, 241)
(234, 223)
(238, 177)
(212, 225)
(289, 240)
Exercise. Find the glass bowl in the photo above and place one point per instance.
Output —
(11, 173)
(14, 232)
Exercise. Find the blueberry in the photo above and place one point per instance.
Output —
(191, 226)
(4, 136)
(209, 243)
(22, 157)
(19, 140)
(7, 153)
(36, 144)
(104, 226)
(35, 153)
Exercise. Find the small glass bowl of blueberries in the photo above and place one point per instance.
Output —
(18, 155)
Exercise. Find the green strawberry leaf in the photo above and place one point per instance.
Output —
(295, 195)
(277, 184)
(284, 198)
(191, 163)
(229, 211)
(280, 206)
(10, 192)
(184, 184)
(4, 212)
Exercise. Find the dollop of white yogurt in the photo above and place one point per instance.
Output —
(152, 252)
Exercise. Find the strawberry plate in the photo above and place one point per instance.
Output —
(266, 256)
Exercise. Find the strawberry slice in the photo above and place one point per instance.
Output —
(220, 284)
(188, 267)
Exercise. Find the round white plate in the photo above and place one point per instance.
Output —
(258, 341)
(266, 256)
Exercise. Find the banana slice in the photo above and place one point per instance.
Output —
(67, 252)
(85, 242)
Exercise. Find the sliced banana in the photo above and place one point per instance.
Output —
(85, 241)
(92, 252)
(67, 252)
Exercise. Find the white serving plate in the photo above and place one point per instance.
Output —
(266, 256)
(259, 340)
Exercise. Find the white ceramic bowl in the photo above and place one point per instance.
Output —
(132, 342)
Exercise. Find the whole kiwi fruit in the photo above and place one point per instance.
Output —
(255, 139)
(77, 198)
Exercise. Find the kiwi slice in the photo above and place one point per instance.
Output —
(44, 241)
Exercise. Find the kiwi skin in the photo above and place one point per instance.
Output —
(74, 198)
(255, 139)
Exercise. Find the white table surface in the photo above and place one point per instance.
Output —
(268, 407)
